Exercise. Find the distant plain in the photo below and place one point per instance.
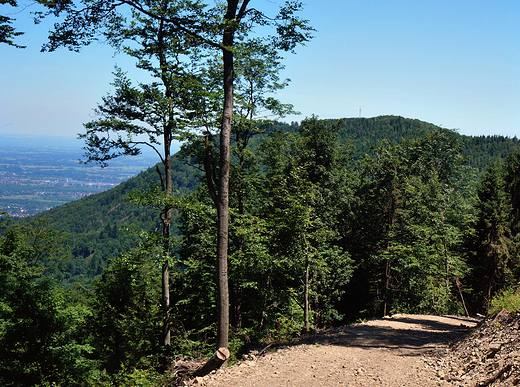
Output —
(41, 172)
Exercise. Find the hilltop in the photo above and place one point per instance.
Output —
(366, 133)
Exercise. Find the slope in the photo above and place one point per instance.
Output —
(97, 225)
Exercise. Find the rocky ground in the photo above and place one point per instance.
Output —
(398, 351)
(488, 356)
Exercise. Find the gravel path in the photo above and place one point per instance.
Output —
(391, 352)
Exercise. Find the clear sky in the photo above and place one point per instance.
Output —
(454, 63)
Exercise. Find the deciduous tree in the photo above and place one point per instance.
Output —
(196, 25)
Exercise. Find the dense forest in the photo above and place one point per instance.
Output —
(93, 224)
(331, 221)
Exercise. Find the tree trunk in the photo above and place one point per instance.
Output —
(223, 183)
(167, 187)
(387, 287)
(213, 363)
(166, 303)
(392, 205)
(220, 356)
(306, 291)
(166, 220)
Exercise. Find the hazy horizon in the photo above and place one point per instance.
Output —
(452, 64)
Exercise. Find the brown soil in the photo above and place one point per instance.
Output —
(404, 350)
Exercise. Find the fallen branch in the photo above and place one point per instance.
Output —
(214, 362)
(497, 316)
(493, 378)
(263, 350)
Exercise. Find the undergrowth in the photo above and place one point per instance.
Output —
(509, 300)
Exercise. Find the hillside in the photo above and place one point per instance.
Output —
(488, 356)
(365, 133)
(95, 224)
(318, 240)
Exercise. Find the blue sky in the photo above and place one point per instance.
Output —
(453, 63)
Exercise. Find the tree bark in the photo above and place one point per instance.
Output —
(166, 220)
(306, 289)
(223, 183)
(213, 362)
(166, 303)
(167, 186)
(231, 18)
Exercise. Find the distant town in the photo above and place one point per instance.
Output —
(44, 173)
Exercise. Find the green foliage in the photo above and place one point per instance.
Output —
(42, 337)
(492, 245)
(95, 225)
(508, 299)
(483, 150)
(287, 323)
(401, 230)
(125, 310)
(133, 113)
(368, 133)
(419, 191)
(306, 190)
(101, 226)
(279, 222)
(131, 377)
(138, 378)
(193, 276)
(7, 32)
(512, 186)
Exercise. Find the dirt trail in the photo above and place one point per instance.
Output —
(391, 352)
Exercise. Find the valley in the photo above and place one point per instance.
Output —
(39, 173)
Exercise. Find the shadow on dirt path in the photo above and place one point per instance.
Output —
(399, 331)
(390, 352)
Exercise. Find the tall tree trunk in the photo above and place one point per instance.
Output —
(392, 204)
(167, 187)
(166, 220)
(306, 297)
(387, 287)
(223, 183)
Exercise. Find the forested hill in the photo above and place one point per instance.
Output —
(95, 224)
(317, 238)
(366, 133)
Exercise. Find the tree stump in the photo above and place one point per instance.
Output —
(214, 362)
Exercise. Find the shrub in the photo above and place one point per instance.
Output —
(509, 300)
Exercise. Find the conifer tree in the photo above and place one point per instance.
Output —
(492, 244)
